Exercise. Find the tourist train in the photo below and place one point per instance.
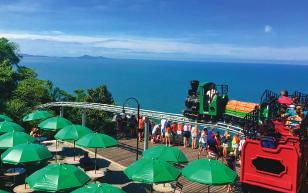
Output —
(275, 153)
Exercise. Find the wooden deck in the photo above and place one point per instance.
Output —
(125, 154)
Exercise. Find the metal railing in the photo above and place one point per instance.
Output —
(149, 113)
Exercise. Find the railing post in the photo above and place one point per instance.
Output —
(146, 133)
(61, 111)
(84, 118)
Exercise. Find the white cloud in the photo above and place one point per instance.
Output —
(131, 46)
(268, 29)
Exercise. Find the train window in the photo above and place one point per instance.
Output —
(268, 165)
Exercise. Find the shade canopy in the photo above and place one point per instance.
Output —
(96, 140)
(152, 171)
(54, 123)
(25, 153)
(5, 118)
(37, 115)
(164, 153)
(57, 177)
(99, 188)
(10, 126)
(13, 138)
(209, 172)
(72, 132)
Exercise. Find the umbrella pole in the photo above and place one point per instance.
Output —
(208, 189)
(95, 159)
(56, 151)
(74, 150)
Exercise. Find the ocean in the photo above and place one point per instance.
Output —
(163, 85)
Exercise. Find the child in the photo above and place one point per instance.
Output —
(167, 135)
(203, 141)
(194, 135)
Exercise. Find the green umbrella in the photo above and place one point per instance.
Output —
(37, 115)
(13, 138)
(164, 153)
(72, 133)
(57, 177)
(9, 126)
(99, 188)
(152, 171)
(209, 172)
(96, 140)
(5, 118)
(25, 153)
(54, 123)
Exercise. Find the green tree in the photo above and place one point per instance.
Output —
(29, 93)
(7, 83)
(100, 121)
(9, 52)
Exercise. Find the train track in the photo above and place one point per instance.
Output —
(149, 113)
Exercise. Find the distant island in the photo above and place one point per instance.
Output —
(80, 57)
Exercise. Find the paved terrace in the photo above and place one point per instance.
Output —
(118, 158)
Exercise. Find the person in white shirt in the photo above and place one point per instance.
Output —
(194, 136)
(203, 141)
(186, 134)
(155, 132)
(242, 141)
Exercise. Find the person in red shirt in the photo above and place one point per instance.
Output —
(174, 128)
(284, 98)
(179, 133)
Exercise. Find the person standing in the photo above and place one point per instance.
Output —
(225, 143)
(203, 142)
(235, 144)
(186, 133)
(132, 124)
(155, 133)
(140, 128)
(179, 133)
(240, 147)
(231, 161)
(163, 124)
(174, 128)
(167, 135)
(194, 136)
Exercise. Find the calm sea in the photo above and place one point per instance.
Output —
(163, 85)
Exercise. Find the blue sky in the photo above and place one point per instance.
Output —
(159, 29)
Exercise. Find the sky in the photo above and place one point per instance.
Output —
(159, 29)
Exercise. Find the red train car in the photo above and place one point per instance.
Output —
(276, 162)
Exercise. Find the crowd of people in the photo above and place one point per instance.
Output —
(291, 112)
(208, 141)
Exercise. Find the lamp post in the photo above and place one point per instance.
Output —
(138, 114)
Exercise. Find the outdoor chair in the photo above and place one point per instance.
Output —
(178, 185)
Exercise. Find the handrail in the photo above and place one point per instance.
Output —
(149, 113)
